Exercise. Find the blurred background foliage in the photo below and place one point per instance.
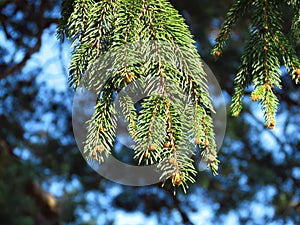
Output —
(45, 180)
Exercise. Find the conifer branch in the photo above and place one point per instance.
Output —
(260, 62)
(147, 42)
(101, 130)
(150, 131)
(235, 12)
(129, 111)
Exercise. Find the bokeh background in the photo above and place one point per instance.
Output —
(45, 180)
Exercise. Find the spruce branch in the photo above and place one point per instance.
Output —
(143, 44)
(151, 132)
(237, 10)
(129, 111)
(266, 48)
(176, 162)
(89, 28)
(101, 131)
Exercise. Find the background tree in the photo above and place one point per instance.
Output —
(253, 174)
